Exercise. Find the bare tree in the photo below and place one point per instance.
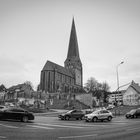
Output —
(105, 86)
(91, 84)
(100, 90)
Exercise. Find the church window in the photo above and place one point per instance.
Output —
(43, 80)
(49, 81)
(61, 77)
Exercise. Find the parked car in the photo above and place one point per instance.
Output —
(77, 114)
(110, 107)
(99, 115)
(16, 114)
(134, 113)
(9, 104)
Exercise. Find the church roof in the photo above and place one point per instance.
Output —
(73, 50)
(53, 66)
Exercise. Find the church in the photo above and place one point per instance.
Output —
(68, 79)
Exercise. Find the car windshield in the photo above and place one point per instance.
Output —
(133, 111)
(95, 112)
(4, 109)
(69, 111)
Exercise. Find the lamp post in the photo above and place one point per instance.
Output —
(118, 77)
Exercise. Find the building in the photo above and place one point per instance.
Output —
(3, 91)
(132, 94)
(19, 91)
(116, 97)
(68, 79)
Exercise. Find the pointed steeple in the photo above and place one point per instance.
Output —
(73, 50)
(73, 62)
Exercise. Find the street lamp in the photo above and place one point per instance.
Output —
(118, 74)
(118, 77)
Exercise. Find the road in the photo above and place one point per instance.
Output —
(51, 128)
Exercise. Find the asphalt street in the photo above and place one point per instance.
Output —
(51, 128)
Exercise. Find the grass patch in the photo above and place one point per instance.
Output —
(122, 110)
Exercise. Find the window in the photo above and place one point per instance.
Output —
(138, 111)
(78, 111)
(104, 111)
(16, 110)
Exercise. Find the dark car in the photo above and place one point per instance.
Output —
(16, 114)
(134, 113)
(77, 114)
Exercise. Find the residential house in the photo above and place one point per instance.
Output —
(19, 91)
(132, 95)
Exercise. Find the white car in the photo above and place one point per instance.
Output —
(99, 115)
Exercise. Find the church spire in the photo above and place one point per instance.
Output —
(73, 50)
(73, 62)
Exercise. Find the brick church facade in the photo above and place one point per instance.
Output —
(68, 79)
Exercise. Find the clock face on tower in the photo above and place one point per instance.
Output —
(78, 77)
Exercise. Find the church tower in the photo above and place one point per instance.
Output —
(73, 62)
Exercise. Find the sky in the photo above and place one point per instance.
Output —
(34, 31)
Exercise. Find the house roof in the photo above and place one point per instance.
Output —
(53, 66)
(135, 86)
(19, 86)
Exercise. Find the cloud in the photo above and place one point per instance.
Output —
(9, 65)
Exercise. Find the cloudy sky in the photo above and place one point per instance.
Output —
(34, 31)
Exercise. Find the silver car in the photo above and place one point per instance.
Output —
(99, 115)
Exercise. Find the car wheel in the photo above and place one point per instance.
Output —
(25, 119)
(67, 118)
(134, 116)
(94, 119)
(62, 118)
(82, 118)
(109, 118)
(127, 117)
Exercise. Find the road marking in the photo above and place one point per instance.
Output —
(118, 123)
(84, 125)
(36, 126)
(81, 136)
(9, 126)
(133, 129)
(2, 137)
(68, 126)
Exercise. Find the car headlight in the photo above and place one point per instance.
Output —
(89, 117)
